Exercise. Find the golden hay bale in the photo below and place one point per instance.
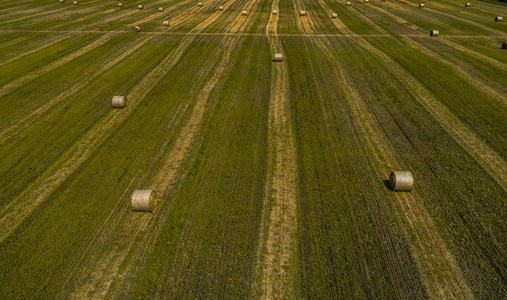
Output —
(468, 4)
(160, 9)
(401, 181)
(120, 4)
(220, 7)
(135, 29)
(278, 57)
(76, 3)
(302, 13)
(199, 4)
(244, 13)
(275, 12)
(334, 16)
(165, 23)
(140, 7)
(347, 3)
(434, 33)
(119, 101)
(498, 19)
(366, 1)
(62, 1)
(144, 200)
(504, 45)
(421, 5)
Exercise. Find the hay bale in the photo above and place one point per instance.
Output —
(421, 5)
(366, 1)
(140, 7)
(62, 1)
(244, 13)
(498, 19)
(434, 33)
(165, 23)
(401, 181)
(302, 13)
(347, 3)
(76, 3)
(468, 4)
(504, 45)
(278, 57)
(135, 29)
(144, 200)
(334, 16)
(160, 9)
(119, 101)
(120, 4)
(275, 12)
(220, 7)
(199, 4)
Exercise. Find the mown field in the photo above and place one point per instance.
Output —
(272, 177)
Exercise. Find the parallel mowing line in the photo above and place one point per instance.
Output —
(49, 44)
(20, 81)
(17, 210)
(106, 271)
(27, 120)
(276, 250)
(479, 83)
(439, 269)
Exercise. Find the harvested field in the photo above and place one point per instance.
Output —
(272, 178)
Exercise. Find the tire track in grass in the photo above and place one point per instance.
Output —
(108, 269)
(13, 214)
(20, 81)
(28, 119)
(275, 255)
(438, 268)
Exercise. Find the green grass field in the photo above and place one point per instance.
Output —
(272, 177)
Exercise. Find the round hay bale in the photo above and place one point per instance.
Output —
(76, 3)
(140, 7)
(165, 23)
(199, 4)
(62, 1)
(220, 7)
(421, 5)
(120, 4)
(366, 1)
(135, 29)
(244, 13)
(504, 45)
(468, 4)
(334, 16)
(144, 200)
(119, 101)
(302, 13)
(498, 19)
(347, 3)
(275, 12)
(401, 181)
(434, 33)
(160, 9)
(278, 57)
